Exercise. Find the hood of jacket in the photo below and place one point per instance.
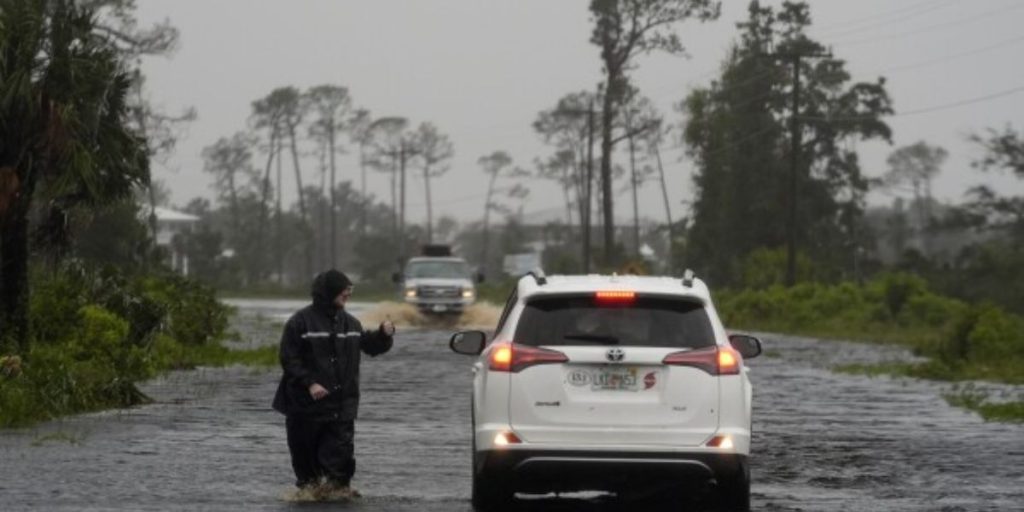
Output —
(326, 287)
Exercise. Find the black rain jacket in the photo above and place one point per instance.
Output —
(323, 344)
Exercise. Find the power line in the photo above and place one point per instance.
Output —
(934, 108)
(925, 63)
(961, 103)
(901, 17)
(878, 39)
(858, 21)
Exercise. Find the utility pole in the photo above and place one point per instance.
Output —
(795, 135)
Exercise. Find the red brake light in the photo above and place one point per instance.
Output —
(509, 357)
(714, 360)
(615, 296)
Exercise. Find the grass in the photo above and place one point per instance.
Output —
(58, 437)
(978, 401)
(878, 369)
(218, 355)
(967, 396)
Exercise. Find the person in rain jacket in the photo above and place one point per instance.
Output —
(320, 353)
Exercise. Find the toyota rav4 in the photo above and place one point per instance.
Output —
(609, 383)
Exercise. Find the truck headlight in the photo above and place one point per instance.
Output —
(468, 293)
(410, 293)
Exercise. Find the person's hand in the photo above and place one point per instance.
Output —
(387, 327)
(317, 391)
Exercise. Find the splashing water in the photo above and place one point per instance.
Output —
(323, 492)
(482, 315)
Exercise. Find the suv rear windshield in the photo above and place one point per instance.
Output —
(647, 322)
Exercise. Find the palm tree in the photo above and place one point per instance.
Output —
(63, 131)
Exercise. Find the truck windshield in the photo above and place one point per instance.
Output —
(438, 269)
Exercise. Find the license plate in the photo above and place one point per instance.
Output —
(615, 379)
(440, 308)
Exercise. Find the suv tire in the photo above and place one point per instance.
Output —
(489, 495)
(733, 492)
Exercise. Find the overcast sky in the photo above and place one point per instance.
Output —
(482, 69)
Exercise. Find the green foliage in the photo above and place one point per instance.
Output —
(171, 355)
(737, 132)
(962, 341)
(96, 333)
(766, 267)
(193, 314)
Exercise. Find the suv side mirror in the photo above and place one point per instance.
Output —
(748, 346)
(397, 278)
(469, 343)
(478, 277)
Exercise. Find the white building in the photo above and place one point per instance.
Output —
(169, 224)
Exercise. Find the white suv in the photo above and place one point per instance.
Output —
(609, 383)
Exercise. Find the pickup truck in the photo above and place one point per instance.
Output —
(438, 283)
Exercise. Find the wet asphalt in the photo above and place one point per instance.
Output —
(823, 441)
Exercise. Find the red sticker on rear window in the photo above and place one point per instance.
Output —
(650, 380)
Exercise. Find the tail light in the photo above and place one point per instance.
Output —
(506, 438)
(714, 360)
(723, 442)
(509, 357)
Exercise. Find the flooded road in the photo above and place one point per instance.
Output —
(823, 441)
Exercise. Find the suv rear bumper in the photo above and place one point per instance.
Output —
(566, 470)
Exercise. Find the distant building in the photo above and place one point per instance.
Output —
(169, 225)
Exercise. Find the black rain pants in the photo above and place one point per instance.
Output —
(321, 449)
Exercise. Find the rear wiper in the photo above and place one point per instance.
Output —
(598, 338)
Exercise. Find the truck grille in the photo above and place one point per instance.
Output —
(438, 292)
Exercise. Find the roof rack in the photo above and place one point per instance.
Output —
(688, 277)
(538, 276)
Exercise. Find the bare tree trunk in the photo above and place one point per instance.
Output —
(304, 216)
(430, 206)
(567, 197)
(607, 116)
(257, 273)
(324, 252)
(401, 210)
(362, 188)
(487, 222)
(234, 201)
(14, 254)
(394, 197)
(334, 201)
(636, 206)
(280, 227)
(668, 211)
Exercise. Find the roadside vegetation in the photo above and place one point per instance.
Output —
(961, 340)
(88, 305)
(96, 333)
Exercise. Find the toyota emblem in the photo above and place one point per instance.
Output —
(615, 355)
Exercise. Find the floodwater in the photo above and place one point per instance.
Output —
(823, 441)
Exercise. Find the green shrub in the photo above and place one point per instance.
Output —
(95, 333)
(193, 314)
